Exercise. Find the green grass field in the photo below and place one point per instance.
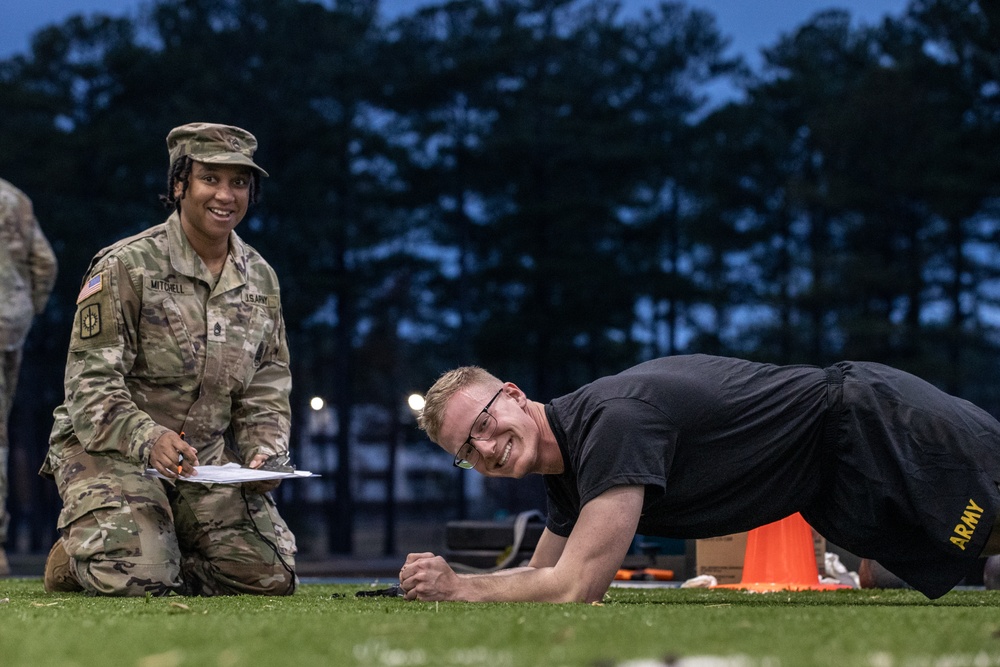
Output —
(325, 624)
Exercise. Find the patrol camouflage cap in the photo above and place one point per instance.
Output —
(214, 144)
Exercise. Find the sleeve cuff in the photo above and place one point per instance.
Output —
(142, 442)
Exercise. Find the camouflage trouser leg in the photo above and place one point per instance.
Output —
(117, 527)
(233, 541)
(10, 365)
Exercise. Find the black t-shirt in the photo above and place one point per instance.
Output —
(721, 445)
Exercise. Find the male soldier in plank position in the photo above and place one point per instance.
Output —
(878, 461)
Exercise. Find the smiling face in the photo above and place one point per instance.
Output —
(216, 200)
(511, 450)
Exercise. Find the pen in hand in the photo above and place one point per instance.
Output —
(180, 457)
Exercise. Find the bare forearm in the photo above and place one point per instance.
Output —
(528, 584)
(575, 569)
(428, 577)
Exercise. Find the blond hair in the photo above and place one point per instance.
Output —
(432, 415)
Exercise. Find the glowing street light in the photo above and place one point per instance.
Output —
(316, 403)
(416, 402)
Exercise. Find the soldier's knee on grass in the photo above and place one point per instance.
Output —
(113, 556)
(253, 578)
(122, 578)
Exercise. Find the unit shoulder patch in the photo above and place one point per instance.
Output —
(90, 321)
(91, 326)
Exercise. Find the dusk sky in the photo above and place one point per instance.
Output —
(751, 24)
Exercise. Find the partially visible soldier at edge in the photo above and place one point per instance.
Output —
(177, 358)
(27, 274)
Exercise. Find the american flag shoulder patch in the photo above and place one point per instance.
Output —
(93, 286)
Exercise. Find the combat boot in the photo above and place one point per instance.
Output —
(4, 565)
(59, 576)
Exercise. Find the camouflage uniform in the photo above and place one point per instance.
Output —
(27, 274)
(157, 344)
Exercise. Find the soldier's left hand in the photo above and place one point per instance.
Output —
(263, 486)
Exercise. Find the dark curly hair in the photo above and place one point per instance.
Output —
(180, 172)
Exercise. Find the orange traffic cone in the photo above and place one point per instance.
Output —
(780, 557)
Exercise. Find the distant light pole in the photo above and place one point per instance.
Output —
(415, 402)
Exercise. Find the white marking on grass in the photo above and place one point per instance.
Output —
(706, 661)
(479, 655)
(170, 658)
(379, 652)
(981, 659)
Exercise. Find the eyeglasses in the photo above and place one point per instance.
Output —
(482, 429)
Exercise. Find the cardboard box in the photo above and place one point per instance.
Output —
(722, 557)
